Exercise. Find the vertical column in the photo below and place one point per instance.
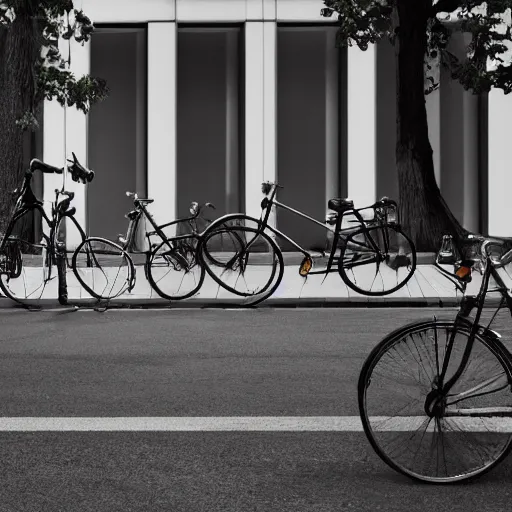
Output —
(269, 100)
(232, 157)
(361, 122)
(260, 111)
(67, 128)
(332, 178)
(161, 116)
(499, 175)
(140, 115)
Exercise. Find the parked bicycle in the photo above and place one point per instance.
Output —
(171, 265)
(373, 256)
(27, 266)
(435, 396)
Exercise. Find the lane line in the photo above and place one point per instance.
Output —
(242, 424)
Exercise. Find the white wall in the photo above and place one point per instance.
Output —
(142, 11)
(161, 134)
(129, 11)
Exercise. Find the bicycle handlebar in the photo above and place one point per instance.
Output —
(79, 172)
(267, 186)
(39, 165)
(76, 169)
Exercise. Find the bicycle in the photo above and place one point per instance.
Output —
(435, 396)
(377, 241)
(171, 266)
(172, 261)
(26, 266)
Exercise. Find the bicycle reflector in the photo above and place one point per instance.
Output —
(464, 271)
(305, 266)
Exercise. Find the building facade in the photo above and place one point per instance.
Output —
(209, 98)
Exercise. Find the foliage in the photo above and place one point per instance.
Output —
(54, 20)
(485, 66)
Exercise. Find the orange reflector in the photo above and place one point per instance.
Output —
(463, 272)
(305, 266)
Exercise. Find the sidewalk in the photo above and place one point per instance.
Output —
(427, 287)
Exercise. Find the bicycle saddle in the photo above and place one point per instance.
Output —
(338, 204)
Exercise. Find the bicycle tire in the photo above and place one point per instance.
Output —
(149, 266)
(13, 254)
(255, 297)
(357, 247)
(228, 221)
(485, 344)
(20, 280)
(104, 253)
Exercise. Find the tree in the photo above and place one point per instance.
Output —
(31, 70)
(419, 31)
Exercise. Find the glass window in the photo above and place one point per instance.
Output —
(308, 128)
(117, 129)
(208, 124)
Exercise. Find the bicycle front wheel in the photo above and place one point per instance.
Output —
(377, 260)
(244, 261)
(467, 433)
(173, 269)
(103, 268)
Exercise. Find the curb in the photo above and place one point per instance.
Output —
(313, 302)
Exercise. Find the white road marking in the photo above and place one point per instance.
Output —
(239, 424)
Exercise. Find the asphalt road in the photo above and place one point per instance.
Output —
(201, 363)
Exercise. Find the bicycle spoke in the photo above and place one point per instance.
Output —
(467, 433)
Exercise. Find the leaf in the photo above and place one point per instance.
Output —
(382, 24)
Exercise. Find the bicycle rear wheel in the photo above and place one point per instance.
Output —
(244, 261)
(173, 269)
(103, 268)
(377, 260)
(24, 264)
(467, 433)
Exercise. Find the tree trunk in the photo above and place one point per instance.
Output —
(424, 214)
(18, 51)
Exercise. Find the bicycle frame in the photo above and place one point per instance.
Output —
(467, 305)
(27, 203)
(157, 230)
(337, 230)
